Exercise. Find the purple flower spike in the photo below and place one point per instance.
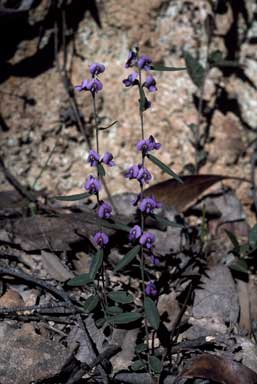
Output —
(94, 86)
(144, 62)
(96, 68)
(101, 239)
(132, 59)
(147, 240)
(148, 145)
(132, 172)
(82, 87)
(107, 159)
(93, 158)
(144, 176)
(104, 210)
(135, 233)
(151, 289)
(131, 80)
(150, 84)
(92, 185)
(148, 204)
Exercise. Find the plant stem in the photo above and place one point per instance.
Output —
(142, 264)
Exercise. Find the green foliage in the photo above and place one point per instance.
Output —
(130, 256)
(155, 364)
(152, 313)
(164, 167)
(121, 297)
(97, 261)
(138, 365)
(100, 169)
(124, 318)
(79, 196)
(90, 303)
(195, 70)
(161, 68)
(80, 280)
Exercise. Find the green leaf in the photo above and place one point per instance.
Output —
(253, 237)
(141, 347)
(100, 322)
(233, 240)
(155, 364)
(108, 126)
(113, 225)
(121, 297)
(125, 318)
(127, 258)
(100, 169)
(239, 265)
(90, 303)
(195, 70)
(138, 365)
(167, 222)
(97, 261)
(164, 167)
(114, 309)
(82, 279)
(151, 313)
(157, 67)
(80, 196)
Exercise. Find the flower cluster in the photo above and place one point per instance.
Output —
(140, 173)
(147, 145)
(142, 63)
(94, 159)
(146, 239)
(94, 85)
(151, 289)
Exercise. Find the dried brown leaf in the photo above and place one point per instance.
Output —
(219, 369)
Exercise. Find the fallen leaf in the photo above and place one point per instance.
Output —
(173, 193)
(219, 369)
(54, 267)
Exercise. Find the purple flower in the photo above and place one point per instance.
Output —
(144, 62)
(148, 204)
(135, 233)
(148, 145)
(147, 240)
(82, 87)
(132, 172)
(92, 185)
(94, 86)
(155, 260)
(101, 239)
(131, 80)
(147, 104)
(143, 176)
(104, 210)
(107, 159)
(132, 59)
(96, 68)
(93, 158)
(151, 289)
(150, 83)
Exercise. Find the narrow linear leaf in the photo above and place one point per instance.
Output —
(108, 126)
(239, 265)
(155, 364)
(152, 313)
(195, 70)
(121, 297)
(233, 240)
(114, 310)
(166, 222)
(127, 258)
(101, 169)
(90, 303)
(138, 365)
(119, 226)
(79, 196)
(124, 318)
(157, 67)
(97, 261)
(82, 279)
(253, 237)
(164, 167)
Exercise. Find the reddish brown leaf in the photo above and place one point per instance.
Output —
(172, 193)
(219, 369)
